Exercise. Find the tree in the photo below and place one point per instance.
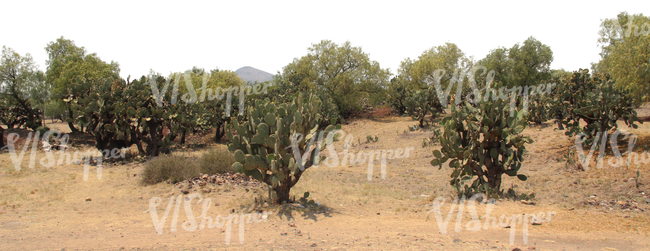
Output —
(445, 65)
(625, 53)
(527, 64)
(520, 65)
(211, 113)
(67, 64)
(343, 72)
(20, 81)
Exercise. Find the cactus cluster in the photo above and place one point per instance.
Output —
(482, 142)
(266, 143)
(120, 114)
(421, 103)
(595, 101)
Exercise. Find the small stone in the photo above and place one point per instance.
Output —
(313, 245)
(457, 240)
(185, 191)
(536, 223)
(89, 199)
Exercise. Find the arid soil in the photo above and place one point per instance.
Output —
(590, 208)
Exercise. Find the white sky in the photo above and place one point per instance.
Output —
(174, 36)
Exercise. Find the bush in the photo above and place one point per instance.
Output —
(42, 129)
(170, 168)
(219, 160)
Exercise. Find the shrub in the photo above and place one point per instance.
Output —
(215, 161)
(169, 168)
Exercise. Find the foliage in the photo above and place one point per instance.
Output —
(21, 86)
(539, 109)
(55, 110)
(482, 143)
(422, 103)
(624, 43)
(68, 69)
(398, 92)
(120, 114)
(417, 94)
(594, 100)
(344, 73)
(265, 145)
(522, 65)
(170, 168)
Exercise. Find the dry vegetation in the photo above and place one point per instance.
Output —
(54, 208)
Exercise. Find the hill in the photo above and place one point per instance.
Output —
(250, 74)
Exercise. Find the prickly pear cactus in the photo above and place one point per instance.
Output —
(421, 103)
(482, 142)
(595, 101)
(265, 145)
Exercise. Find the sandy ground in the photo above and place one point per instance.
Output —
(54, 208)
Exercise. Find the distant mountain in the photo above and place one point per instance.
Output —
(250, 74)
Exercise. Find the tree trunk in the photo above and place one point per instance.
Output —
(183, 137)
(71, 124)
(220, 132)
(2, 137)
(282, 193)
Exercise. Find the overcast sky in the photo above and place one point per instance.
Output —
(174, 36)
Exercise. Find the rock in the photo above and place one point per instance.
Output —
(516, 249)
(457, 241)
(185, 191)
(88, 199)
(527, 202)
(313, 245)
(536, 223)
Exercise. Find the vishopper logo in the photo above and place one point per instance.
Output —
(64, 156)
(631, 28)
(477, 95)
(618, 160)
(192, 225)
(192, 97)
(475, 224)
(332, 159)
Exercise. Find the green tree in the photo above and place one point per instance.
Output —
(625, 53)
(445, 65)
(343, 72)
(20, 81)
(526, 64)
(68, 65)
